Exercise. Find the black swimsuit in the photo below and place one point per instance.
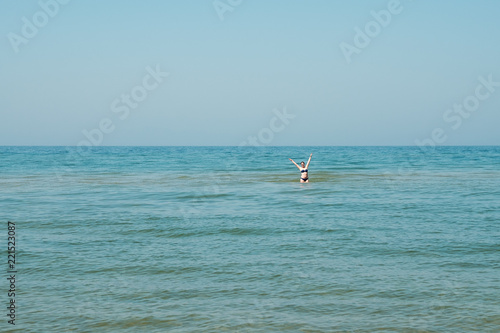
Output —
(304, 179)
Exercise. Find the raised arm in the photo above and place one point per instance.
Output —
(294, 163)
(309, 161)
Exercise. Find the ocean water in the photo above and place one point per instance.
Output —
(226, 239)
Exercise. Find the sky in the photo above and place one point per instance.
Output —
(241, 72)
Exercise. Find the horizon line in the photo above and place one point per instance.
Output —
(261, 146)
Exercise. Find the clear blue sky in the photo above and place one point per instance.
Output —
(227, 76)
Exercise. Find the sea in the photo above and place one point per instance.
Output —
(226, 239)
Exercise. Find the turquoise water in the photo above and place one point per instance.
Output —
(226, 239)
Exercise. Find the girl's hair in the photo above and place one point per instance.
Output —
(302, 162)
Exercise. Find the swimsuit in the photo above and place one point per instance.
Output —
(304, 179)
(305, 170)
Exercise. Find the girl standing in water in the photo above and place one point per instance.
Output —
(304, 178)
